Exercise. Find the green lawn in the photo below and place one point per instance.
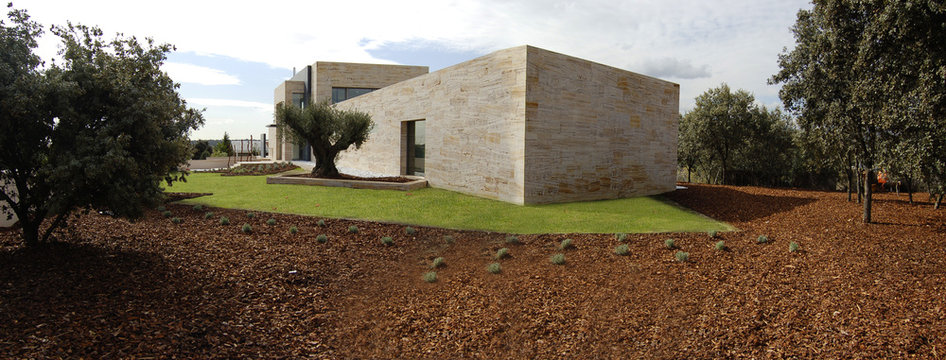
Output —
(441, 208)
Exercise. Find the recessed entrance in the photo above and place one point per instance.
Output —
(414, 147)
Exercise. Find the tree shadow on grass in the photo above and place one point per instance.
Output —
(78, 300)
(732, 205)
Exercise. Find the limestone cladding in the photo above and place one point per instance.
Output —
(528, 126)
(327, 75)
(596, 132)
(475, 122)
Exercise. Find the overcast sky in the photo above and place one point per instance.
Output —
(232, 54)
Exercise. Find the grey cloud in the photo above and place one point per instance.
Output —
(673, 68)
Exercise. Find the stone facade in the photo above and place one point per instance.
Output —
(325, 76)
(528, 126)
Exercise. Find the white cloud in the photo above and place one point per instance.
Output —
(193, 74)
(257, 106)
(672, 68)
(737, 39)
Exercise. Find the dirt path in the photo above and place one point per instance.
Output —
(201, 289)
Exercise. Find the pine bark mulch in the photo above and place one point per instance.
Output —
(152, 289)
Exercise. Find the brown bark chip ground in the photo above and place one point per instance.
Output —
(118, 289)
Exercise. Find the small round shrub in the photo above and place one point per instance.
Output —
(567, 243)
(321, 223)
(430, 276)
(670, 243)
(409, 230)
(246, 228)
(622, 237)
(176, 220)
(208, 215)
(558, 259)
(438, 262)
(353, 229)
(161, 208)
(166, 214)
(224, 220)
(198, 207)
(494, 268)
(448, 239)
(293, 229)
(720, 245)
(512, 239)
(271, 222)
(793, 246)
(250, 215)
(712, 234)
(502, 253)
(762, 239)
(387, 240)
(682, 256)
(322, 238)
(622, 250)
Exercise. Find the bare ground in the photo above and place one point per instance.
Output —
(117, 289)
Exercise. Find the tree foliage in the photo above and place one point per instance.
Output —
(729, 138)
(99, 131)
(868, 77)
(224, 147)
(328, 130)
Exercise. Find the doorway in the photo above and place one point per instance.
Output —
(415, 149)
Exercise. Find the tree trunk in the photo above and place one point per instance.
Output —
(857, 186)
(30, 232)
(939, 200)
(850, 184)
(325, 165)
(909, 188)
(867, 195)
(688, 174)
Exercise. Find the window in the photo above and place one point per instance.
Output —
(297, 99)
(340, 94)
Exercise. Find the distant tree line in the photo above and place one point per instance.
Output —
(866, 84)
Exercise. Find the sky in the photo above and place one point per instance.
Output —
(231, 55)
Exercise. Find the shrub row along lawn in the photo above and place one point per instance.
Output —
(441, 208)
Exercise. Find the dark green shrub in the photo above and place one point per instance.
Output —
(293, 229)
(622, 237)
(438, 262)
(250, 215)
(793, 246)
(762, 239)
(712, 234)
(682, 256)
(567, 243)
(176, 220)
(720, 245)
(322, 238)
(670, 243)
(271, 222)
(224, 220)
(353, 229)
(166, 214)
(502, 253)
(321, 223)
(246, 228)
(198, 207)
(409, 230)
(208, 215)
(512, 239)
(448, 239)
(622, 250)
(161, 208)
(494, 268)
(558, 259)
(430, 276)
(387, 240)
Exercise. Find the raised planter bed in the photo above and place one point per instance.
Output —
(416, 182)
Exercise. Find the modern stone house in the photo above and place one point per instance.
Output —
(522, 125)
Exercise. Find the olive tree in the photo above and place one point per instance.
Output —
(101, 130)
(328, 130)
